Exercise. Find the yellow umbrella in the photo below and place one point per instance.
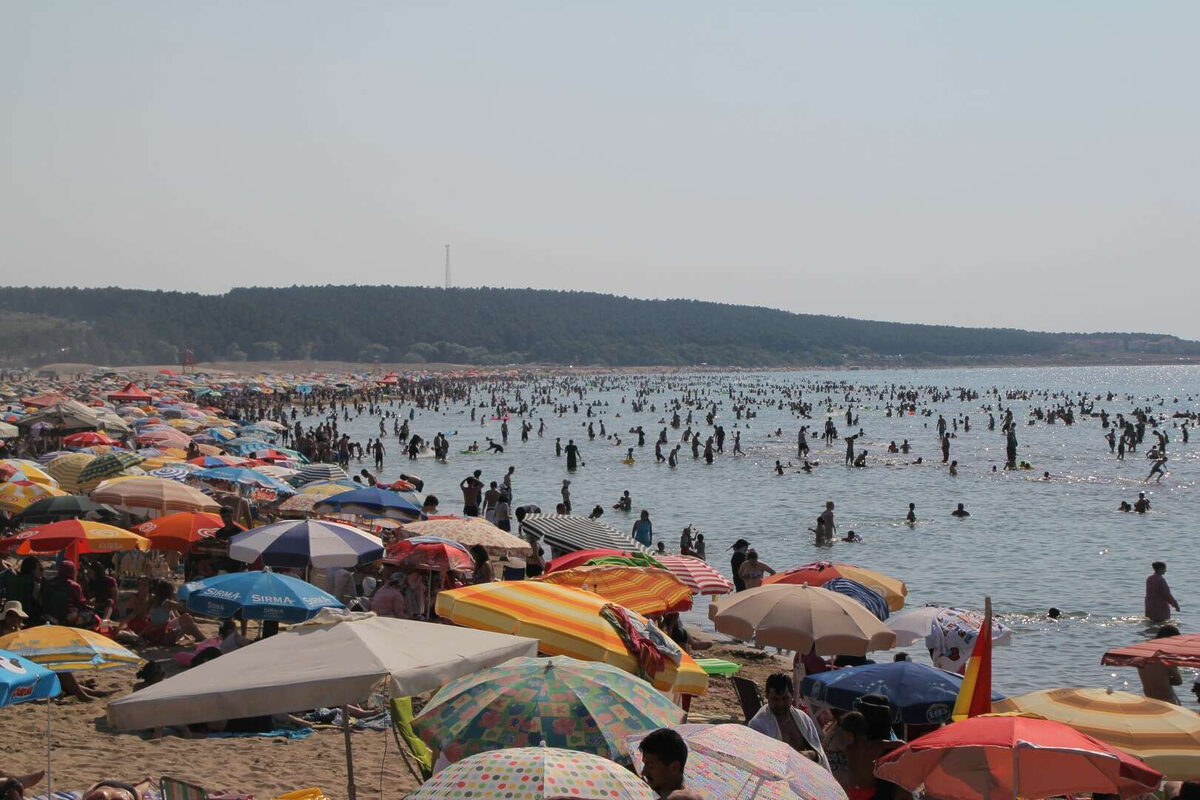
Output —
(32, 471)
(16, 495)
(645, 590)
(63, 649)
(566, 621)
(66, 469)
(1163, 735)
(324, 489)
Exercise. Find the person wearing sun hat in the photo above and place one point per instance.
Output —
(13, 618)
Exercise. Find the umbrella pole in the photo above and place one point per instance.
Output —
(49, 774)
(350, 790)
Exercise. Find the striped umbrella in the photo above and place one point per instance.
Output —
(174, 472)
(819, 573)
(153, 494)
(107, 466)
(87, 439)
(566, 622)
(472, 531)
(66, 469)
(64, 649)
(871, 600)
(82, 536)
(1170, 651)
(699, 576)
(319, 472)
(306, 542)
(567, 533)
(644, 590)
(20, 494)
(179, 531)
(329, 488)
(1163, 735)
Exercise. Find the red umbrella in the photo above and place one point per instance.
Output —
(1171, 651)
(179, 531)
(698, 575)
(87, 439)
(581, 557)
(429, 552)
(1001, 757)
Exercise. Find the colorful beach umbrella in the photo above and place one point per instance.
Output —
(534, 773)
(306, 542)
(371, 501)
(257, 595)
(566, 622)
(87, 439)
(244, 477)
(154, 495)
(81, 537)
(645, 590)
(544, 702)
(990, 757)
(1163, 735)
(799, 617)
(316, 472)
(107, 466)
(819, 573)
(581, 557)
(430, 553)
(472, 531)
(64, 649)
(919, 623)
(53, 509)
(1171, 651)
(919, 694)
(869, 598)
(179, 531)
(16, 469)
(20, 494)
(21, 680)
(698, 575)
(66, 469)
(733, 762)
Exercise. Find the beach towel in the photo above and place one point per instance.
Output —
(645, 642)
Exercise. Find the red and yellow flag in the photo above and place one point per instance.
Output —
(975, 695)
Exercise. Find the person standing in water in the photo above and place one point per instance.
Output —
(572, 455)
(912, 514)
(1159, 600)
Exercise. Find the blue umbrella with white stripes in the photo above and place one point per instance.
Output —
(258, 595)
(244, 477)
(869, 598)
(306, 542)
(322, 472)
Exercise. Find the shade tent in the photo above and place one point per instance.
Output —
(130, 394)
(318, 664)
(68, 415)
(566, 533)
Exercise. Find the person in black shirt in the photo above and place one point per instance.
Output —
(735, 563)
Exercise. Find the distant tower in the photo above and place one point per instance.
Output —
(447, 266)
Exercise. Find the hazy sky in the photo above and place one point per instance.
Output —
(1025, 164)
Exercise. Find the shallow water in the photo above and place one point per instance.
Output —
(1029, 544)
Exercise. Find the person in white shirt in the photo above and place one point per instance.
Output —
(781, 720)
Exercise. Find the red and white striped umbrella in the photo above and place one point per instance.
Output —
(697, 575)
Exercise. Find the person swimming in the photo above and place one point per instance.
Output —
(852, 537)
(911, 517)
(960, 512)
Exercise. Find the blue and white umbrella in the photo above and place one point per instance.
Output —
(919, 694)
(173, 472)
(258, 595)
(21, 680)
(872, 600)
(244, 477)
(306, 542)
(371, 502)
(322, 472)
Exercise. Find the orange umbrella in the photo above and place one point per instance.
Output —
(643, 589)
(820, 573)
(1171, 651)
(81, 536)
(179, 531)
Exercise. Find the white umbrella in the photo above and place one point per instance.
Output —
(912, 626)
(306, 543)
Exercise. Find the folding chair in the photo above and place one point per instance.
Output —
(411, 746)
(748, 695)
(175, 789)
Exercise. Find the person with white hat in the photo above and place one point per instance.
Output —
(13, 618)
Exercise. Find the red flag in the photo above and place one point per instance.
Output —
(975, 695)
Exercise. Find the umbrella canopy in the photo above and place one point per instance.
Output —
(371, 502)
(20, 469)
(430, 552)
(581, 557)
(471, 531)
(566, 534)
(179, 531)
(919, 694)
(258, 595)
(1171, 651)
(920, 623)
(82, 536)
(797, 617)
(329, 661)
(697, 575)
(164, 435)
(87, 439)
(316, 472)
(1163, 735)
(550, 702)
(18, 495)
(868, 598)
(645, 590)
(534, 773)
(991, 757)
(566, 622)
(52, 509)
(819, 573)
(107, 466)
(306, 542)
(153, 495)
(327, 488)
(64, 649)
(21, 680)
(244, 477)
(299, 505)
(733, 762)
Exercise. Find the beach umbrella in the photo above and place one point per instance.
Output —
(328, 488)
(1163, 735)
(163, 435)
(174, 472)
(697, 575)
(179, 531)
(87, 439)
(733, 762)
(566, 533)
(64, 649)
(430, 553)
(21, 680)
(81, 537)
(107, 466)
(581, 557)
(1171, 651)
(869, 598)
(299, 504)
(213, 462)
(570, 622)
(547, 702)
(257, 595)
(66, 468)
(18, 495)
(305, 543)
(798, 617)
(645, 590)
(919, 623)
(919, 694)
(992, 757)
(244, 477)
(149, 494)
(471, 531)
(318, 472)
(819, 573)
(534, 773)
(371, 501)
(45, 458)
(20, 469)
(52, 509)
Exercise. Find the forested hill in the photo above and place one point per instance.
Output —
(491, 326)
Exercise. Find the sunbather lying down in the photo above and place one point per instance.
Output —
(118, 790)
(12, 787)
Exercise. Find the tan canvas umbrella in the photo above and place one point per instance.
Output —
(158, 495)
(66, 468)
(470, 531)
(796, 617)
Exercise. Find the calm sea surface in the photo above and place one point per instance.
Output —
(1029, 544)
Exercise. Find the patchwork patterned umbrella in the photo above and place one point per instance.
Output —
(643, 589)
(534, 773)
(18, 469)
(64, 649)
(553, 702)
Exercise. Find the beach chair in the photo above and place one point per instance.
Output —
(411, 746)
(311, 793)
(748, 695)
(175, 789)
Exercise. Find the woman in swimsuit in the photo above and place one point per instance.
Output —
(752, 570)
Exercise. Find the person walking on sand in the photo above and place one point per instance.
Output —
(1159, 600)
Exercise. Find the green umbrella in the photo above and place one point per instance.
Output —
(53, 509)
(107, 466)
